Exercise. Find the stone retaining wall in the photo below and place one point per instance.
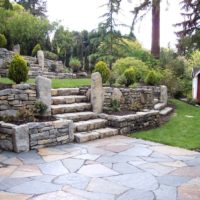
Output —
(131, 123)
(130, 99)
(11, 100)
(35, 135)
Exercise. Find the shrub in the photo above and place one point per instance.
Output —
(52, 68)
(3, 41)
(152, 78)
(130, 75)
(40, 107)
(36, 49)
(18, 70)
(124, 63)
(112, 79)
(26, 115)
(51, 56)
(103, 69)
(115, 106)
(75, 64)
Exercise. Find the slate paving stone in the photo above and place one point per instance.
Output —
(26, 171)
(137, 195)
(73, 164)
(96, 170)
(44, 178)
(58, 196)
(156, 169)
(88, 156)
(7, 171)
(13, 161)
(89, 195)
(11, 182)
(12, 196)
(117, 148)
(117, 159)
(187, 171)
(31, 157)
(53, 168)
(137, 151)
(173, 180)
(194, 162)
(35, 187)
(75, 180)
(99, 151)
(104, 186)
(177, 164)
(124, 168)
(165, 193)
(142, 181)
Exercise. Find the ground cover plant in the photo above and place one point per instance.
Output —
(182, 130)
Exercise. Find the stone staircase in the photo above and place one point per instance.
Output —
(71, 104)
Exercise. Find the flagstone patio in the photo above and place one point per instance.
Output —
(116, 168)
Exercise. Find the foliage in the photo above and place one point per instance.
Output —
(194, 60)
(5, 4)
(40, 107)
(103, 69)
(35, 7)
(24, 29)
(18, 70)
(130, 75)
(26, 114)
(115, 106)
(124, 63)
(75, 65)
(36, 48)
(113, 78)
(172, 133)
(17, 7)
(3, 41)
(152, 78)
(62, 44)
(50, 55)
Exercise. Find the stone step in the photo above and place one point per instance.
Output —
(78, 116)
(35, 69)
(69, 108)
(65, 91)
(166, 111)
(89, 125)
(95, 134)
(159, 106)
(68, 99)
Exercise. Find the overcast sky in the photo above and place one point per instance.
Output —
(85, 14)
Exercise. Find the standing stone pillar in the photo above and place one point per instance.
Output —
(40, 57)
(43, 90)
(163, 94)
(16, 48)
(97, 93)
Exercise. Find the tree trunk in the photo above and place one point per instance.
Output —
(155, 44)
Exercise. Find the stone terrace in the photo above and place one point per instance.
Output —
(116, 168)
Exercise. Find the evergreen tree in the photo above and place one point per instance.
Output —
(36, 7)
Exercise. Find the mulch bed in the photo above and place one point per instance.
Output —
(24, 121)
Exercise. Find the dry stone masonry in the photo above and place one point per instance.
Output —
(11, 100)
(37, 66)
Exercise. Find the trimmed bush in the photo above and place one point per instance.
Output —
(152, 78)
(103, 69)
(51, 56)
(130, 75)
(3, 41)
(18, 70)
(36, 49)
(75, 65)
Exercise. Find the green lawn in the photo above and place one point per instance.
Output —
(183, 130)
(58, 83)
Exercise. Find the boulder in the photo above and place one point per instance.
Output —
(97, 93)
(117, 95)
(40, 57)
(16, 48)
(163, 94)
(21, 138)
(43, 90)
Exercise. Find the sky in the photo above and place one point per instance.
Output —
(85, 15)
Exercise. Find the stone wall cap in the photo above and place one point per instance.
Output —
(22, 86)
